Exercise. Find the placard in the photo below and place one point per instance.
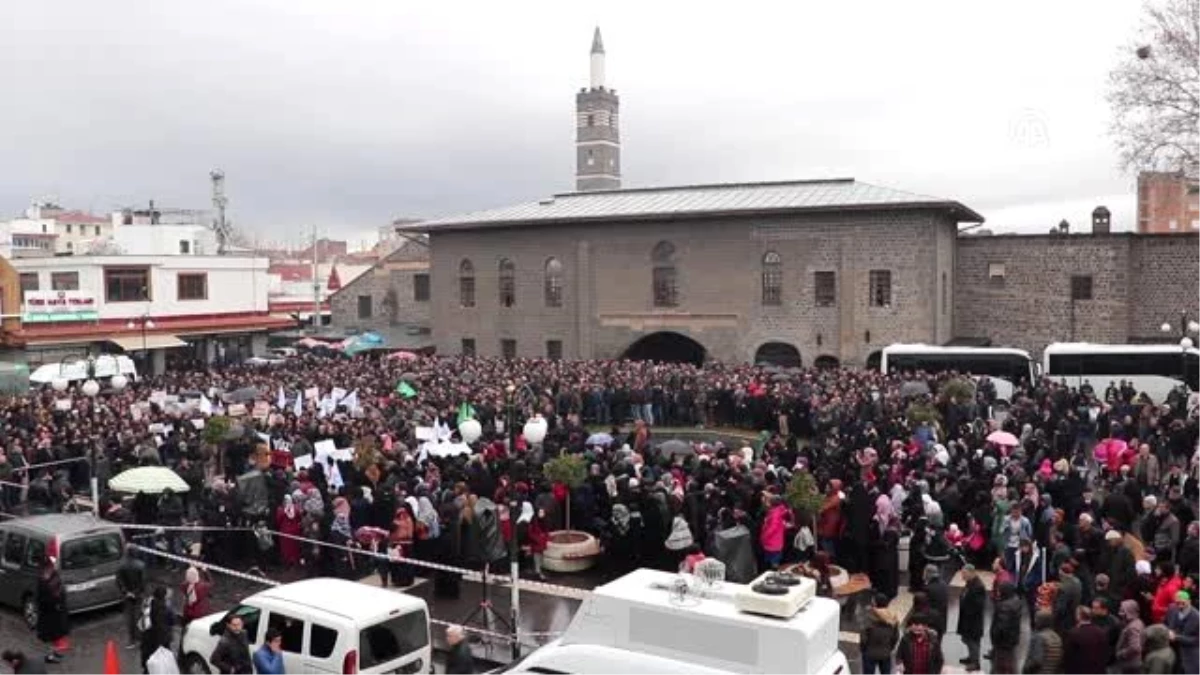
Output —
(236, 410)
(312, 393)
(62, 404)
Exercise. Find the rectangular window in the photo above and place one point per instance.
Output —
(68, 228)
(508, 290)
(192, 286)
(322, 641)
(666, 289)
(825, 289)
(508, 348)
(29, 282)
(554, 350)
(364, 306)
(995, 270)
(126, 284)
(466, 291)
(185, 247)
(290, 629)
(468, 347)
(944, 294)
(421, 288)
(97, 230)
(64, 281)
(14, 549)
(880, 288)
(1081, 287)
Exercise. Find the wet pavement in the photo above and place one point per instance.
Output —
(542, 615)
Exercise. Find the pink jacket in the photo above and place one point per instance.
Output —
(774, 528)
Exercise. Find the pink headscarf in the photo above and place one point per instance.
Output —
(1046, 469)
(884, 513)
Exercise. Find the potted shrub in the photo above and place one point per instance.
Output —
(216, 431)
(568, 550)
(806, 500)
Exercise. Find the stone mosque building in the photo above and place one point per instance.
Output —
(808, 271)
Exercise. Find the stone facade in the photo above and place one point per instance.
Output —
(597, 140)
(1137, 283)
(608, 301)
(391, 285)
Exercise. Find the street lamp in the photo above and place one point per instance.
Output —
(1186, 326)
(118, 382)
(146, 323)
(534, 433)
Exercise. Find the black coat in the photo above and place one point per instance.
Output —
(939, 602)
(971, 608)
(460, 660)
(1086, 649)
(1006, 619)
(53, 622)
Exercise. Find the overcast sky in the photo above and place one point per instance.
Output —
(349, 118)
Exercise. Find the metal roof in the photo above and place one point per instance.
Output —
(700, 201)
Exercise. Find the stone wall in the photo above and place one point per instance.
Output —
(391, 286)
(1138, 281)
(608, 301)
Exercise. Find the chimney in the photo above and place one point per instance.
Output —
(1101, 219)
(1064, 227)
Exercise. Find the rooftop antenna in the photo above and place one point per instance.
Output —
(220, 226)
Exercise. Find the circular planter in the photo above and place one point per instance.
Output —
(838, 576)
(570, 551)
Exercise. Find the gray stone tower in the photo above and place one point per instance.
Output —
(597, 139)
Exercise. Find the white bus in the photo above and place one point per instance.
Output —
(1004, 366)
(1152, 369)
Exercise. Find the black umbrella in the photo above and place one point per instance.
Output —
(243, 395)
(914, 388)
(408, 377)
(676, 447)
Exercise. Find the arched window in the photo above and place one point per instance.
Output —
(772, 279)
(554, 283)
(666, 290)
(508, 283)
(466, 284)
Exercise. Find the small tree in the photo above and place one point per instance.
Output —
(570, 470)
(959, 391)
(215, 430)
(922, 413)
(802, 495)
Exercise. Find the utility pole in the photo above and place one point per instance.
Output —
(316, 319)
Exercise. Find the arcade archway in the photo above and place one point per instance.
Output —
(778, 354)
(667, 347)
(826, 361)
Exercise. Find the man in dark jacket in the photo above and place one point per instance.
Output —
(1006, 629)
(460, 659)
(232, 654)
(878, 637)
(920, 650)
(939, 597)
(971, 606)
(131, 580)
(1085, 649)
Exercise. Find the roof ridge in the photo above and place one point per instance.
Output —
(708, 186)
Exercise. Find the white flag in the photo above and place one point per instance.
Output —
(298, 409)
(351, 401)
(280, 400)
(206, 406)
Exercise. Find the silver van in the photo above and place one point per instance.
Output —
(88, 551)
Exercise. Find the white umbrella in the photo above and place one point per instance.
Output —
(148, 479)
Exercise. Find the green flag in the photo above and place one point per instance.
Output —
(465, 412)
(405, 389)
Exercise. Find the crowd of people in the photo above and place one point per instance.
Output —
(1084, 524)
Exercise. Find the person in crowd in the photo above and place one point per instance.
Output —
(53, 621)
(971, 606)
(268, 659)
(1006, 629)
(131, 580)
(939, 597)
(460, 660)
(1159, 657)
(232, 653)
(289, 521)
(920, 650)
(21, 664)
(156, 625)
(1045, 653)
(1085, 646)
(1131, 642)
(878, 637)
(1183, 622)
(1067, 599)
(197, 585)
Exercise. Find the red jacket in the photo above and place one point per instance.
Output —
(773, 528)
(537, 535)
(1163, 597)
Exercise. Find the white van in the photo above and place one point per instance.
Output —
(328, 626)
(632, 625)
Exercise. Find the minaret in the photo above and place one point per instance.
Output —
(597, 140)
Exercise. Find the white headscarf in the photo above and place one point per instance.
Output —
(526, 513)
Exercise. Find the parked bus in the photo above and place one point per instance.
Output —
(1004, 366)
(1151, 369)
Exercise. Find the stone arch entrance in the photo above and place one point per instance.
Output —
(874, 359)
(778, 354)
(668, 347)
(826, 361)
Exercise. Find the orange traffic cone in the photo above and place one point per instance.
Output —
(112, 662)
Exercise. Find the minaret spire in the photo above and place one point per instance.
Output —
(597, 81)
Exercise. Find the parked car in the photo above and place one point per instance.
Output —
(328, 626)
(88, 551)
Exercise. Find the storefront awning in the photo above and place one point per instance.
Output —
(133, 343)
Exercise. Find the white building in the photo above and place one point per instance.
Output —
(155, 307)
(48, 229)
(194, 240)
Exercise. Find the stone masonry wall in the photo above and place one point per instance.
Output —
(396, 273)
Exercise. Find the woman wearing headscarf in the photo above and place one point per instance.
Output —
(53, 624)
(884, 548)
(288, 521)
(429, 528)
(400, 541)
(341, 535)
(196, 588)
(537, 536)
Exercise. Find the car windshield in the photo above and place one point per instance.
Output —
(392, 638)
(91, 550)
